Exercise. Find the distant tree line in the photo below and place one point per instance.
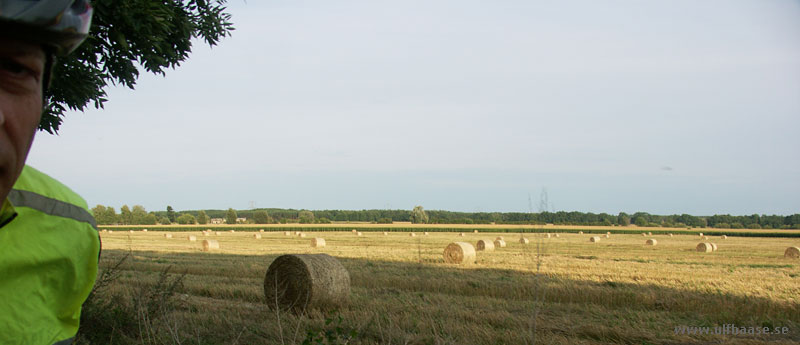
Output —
(138, 215)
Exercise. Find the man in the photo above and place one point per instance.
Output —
(49, 245)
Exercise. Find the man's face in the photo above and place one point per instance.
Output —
(21, 70)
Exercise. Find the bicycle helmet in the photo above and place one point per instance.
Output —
(60, 25)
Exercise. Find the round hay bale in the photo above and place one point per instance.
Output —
(191, 238)
(144, 230)
(317, 242)
(724, 237)
(206, 233)
(580, 232)
(232, 231)
(217, 233)
(500, 243)
(105, 230)
(485, 245)
(131, 231)
(475, 231)
(792, 252)
(608, 232)
(499, 238)
(167, 235)
(701, 234)
(704, 247)
(257, 236)
(358, 233)
(208, 245)
(302, 234)
(595, 239)
(425, 233)
(299, 282)
(354, 231)
(670, 235)
(385, 233)
(558, 235)
(461, 234)
(286, 233)
(649, 233)
(644, 234)
(260, 230)
(110, 231)
(412, 234)
(608, 236)
(705, 238)
(459, 253)
(713, 247)
(546, 235)
(523, 240)
(651, 242)
(297, 233)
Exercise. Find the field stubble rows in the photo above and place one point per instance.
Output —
(570, 290)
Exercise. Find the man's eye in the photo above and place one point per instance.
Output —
(15, 69)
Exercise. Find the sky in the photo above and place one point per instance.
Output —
(665, 107)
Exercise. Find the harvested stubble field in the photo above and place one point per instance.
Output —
(563, 290)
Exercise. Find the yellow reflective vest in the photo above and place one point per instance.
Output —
(49, 249)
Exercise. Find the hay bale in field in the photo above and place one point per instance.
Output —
(792, 252)
(191, 238)
(461, 234)
(105, 230)
(412, 234)
(580, 232)
(297, 233)
(354, 231)
(608, 232)
(651, 242)
(724, 237)
(595, 239)
(358, 233)
(257, 236)
(302, 234)
(523, 240)
(110, 231)
(167, 235)
(385, 233)
(425, 233)
(713, 247)
(704, 247)
(499, 238)
(644, 234)
(232, 231)
(209, 245)
(670, 235)
(485, 245)
(131, 231)
(206, 233)
(317, 242)
(286, 233)
(649, 233)
(705, 238)
(459, 253)
(546, 235)
(475, 231)
(558, 235)
(701, 234)
(144, 230)
(500, 243)
(260, 230)
(299, 282)
(608, 236)
(217, 233)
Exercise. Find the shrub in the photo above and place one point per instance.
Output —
(385, 221)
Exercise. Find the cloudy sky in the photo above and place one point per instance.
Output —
(656, 106)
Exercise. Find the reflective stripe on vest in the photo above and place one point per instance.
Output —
(65, 341)
(50, 206)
